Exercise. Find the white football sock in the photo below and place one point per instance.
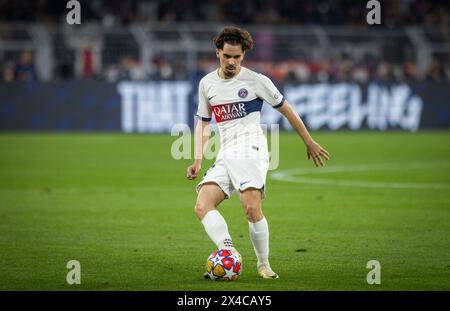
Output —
(217, 230)
(259, 234)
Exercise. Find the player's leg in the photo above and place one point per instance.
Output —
(210, 195)
(251, 199)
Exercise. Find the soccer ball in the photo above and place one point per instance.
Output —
(224, 265)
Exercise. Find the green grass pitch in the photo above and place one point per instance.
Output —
(122, 207)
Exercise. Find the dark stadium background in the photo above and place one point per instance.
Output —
(297, 42)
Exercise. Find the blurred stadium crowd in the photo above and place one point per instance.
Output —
(393, 65)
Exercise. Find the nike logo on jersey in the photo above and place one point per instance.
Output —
(209, 98)
(243, 183)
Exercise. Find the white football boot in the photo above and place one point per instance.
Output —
(266, 272)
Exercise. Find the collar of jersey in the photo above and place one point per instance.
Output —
(225, 80)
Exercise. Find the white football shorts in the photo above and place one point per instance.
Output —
(237, 173)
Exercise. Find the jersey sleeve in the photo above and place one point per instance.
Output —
(203, 110)
(266, 90)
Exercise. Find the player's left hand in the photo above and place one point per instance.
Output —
(193, 170)
(317, 153)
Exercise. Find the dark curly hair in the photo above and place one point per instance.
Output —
(234, 36)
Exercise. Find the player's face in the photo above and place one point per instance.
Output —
(230, 57)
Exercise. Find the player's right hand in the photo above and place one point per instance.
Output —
(192, 171)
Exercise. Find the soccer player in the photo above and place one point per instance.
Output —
(235, 94)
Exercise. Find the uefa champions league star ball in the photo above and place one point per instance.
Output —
(224, 265)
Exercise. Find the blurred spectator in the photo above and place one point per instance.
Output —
(384, 72)
(435, 71)
(25, 69)
(360, 74)
(131, 69)
(87, 64)
(7, 72)
(302, 72)
(345, 73)
(161, 69)
(410, 71)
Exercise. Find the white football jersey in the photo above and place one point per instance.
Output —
(236, 105)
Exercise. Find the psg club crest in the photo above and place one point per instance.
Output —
(242, 93)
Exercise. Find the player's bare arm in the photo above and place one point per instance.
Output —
(313, 150)
(202, 134)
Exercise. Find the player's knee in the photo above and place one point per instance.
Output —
(253, 212)
(201, 209)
